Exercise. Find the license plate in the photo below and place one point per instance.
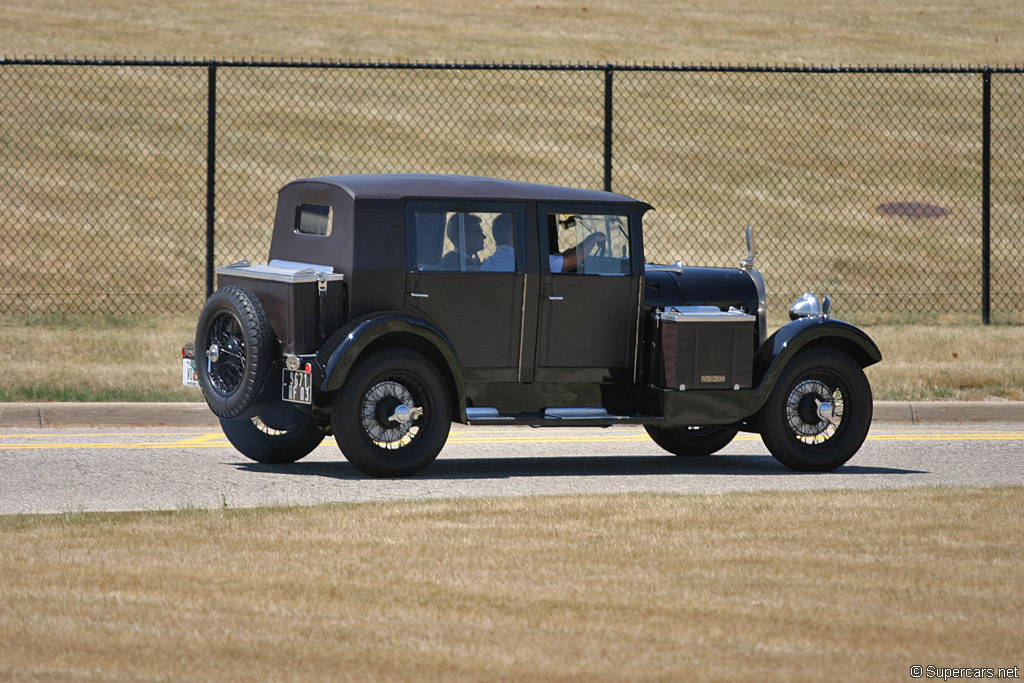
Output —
(189, 376)
(297, 386)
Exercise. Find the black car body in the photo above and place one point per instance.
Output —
(393, 305)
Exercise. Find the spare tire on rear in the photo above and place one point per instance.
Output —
(235, 349)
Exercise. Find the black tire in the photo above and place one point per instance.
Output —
(281, 434)
(691, 441)
(365, 413)
(792, 424)
(235, 347)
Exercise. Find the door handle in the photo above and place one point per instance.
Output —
(417, 295)
(556, 298)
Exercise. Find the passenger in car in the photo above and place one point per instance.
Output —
(464, 255)
(503, 260)
(504, 257)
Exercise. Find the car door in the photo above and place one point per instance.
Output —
(589, 309)
(467, 277)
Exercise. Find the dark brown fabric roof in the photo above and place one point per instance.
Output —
(431, 186)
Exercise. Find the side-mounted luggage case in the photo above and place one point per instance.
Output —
(703, 347)
(305, 302)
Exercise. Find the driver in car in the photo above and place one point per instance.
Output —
(503, 259)
(572, 257)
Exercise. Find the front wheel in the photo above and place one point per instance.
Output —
(819, 412)
(281, 434)
(392, 415)
(691, 441)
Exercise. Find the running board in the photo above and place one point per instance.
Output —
(558, 417)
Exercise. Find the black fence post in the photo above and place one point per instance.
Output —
(986, 195)
(608, 71)
(211, 164)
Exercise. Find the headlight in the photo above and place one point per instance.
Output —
(808, 306)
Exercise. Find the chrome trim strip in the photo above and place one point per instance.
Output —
(522, 330)
(639, 307)
(486, 414)
(275, 273)
(575, 413)
(707, 318)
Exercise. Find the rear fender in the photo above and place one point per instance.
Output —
(340, 352)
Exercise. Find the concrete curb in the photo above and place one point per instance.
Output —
(24, 415)
(944, 412)
(55, 415)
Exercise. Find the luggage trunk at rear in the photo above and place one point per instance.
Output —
(304, 303)
(702, 347)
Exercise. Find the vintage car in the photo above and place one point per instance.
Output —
(393, 305)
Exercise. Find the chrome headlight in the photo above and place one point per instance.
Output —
(808, 306)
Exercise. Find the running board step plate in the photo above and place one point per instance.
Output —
(558, 417)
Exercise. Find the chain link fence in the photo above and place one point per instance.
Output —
(895, 191)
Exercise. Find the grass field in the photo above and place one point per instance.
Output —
(765, 586)
(104, 185)
(699, 31)
(111, 160)
(137, 358)
(123, 230)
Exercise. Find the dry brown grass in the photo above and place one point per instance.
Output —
(965, 362)
(131, 186)
(94, 358)
(767, 586)
(136, 358)
(872, 32)
(123, 199)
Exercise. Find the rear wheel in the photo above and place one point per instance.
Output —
(819, 412)
(282, 434)
(392, 415)
(691, 441)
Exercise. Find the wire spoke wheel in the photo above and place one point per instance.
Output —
(392, 412)
(392, 415)
(819, 411)
(693, 441)
(814, 410)
(235, 346)
(281, 434)
(225, 353)
(263, 428)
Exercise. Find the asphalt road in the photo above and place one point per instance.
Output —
(74, 469)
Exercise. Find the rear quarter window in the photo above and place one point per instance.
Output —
(313, 219)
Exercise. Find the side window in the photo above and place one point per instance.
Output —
(589, 243)
(313, 219)
(464, 241)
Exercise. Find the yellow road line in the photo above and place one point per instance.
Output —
(94, 434)
(218, 440)
(213, 440)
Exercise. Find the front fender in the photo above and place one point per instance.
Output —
(776, 352)
(340, 352)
